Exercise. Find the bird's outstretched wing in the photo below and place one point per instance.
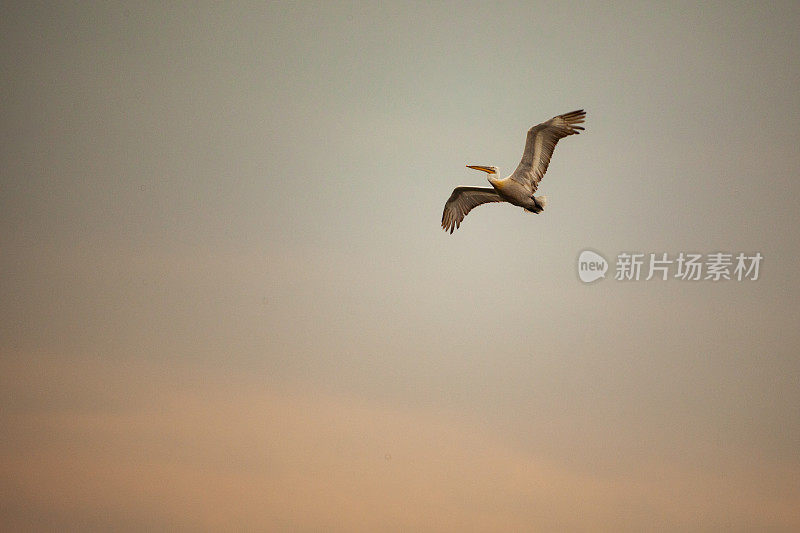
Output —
(462, 201)
(540, 144)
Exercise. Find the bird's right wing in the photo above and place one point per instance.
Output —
(462, 201)
(540, 144)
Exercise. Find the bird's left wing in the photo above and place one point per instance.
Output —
(462, 201)
(540, 144)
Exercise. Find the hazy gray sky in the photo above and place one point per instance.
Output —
(226, 301)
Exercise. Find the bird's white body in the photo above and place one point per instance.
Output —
(517, 194)
(519, 187)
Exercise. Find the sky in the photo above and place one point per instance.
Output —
(226, 301)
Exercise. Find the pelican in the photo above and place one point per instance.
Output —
(518, 188)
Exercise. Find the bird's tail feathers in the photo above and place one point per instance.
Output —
(538, 204)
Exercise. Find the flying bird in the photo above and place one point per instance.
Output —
(518, 188)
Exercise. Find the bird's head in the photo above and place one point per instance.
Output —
(490, 171)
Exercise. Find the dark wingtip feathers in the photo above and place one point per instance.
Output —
(574, 118)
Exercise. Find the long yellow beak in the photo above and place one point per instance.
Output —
(488, 170)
